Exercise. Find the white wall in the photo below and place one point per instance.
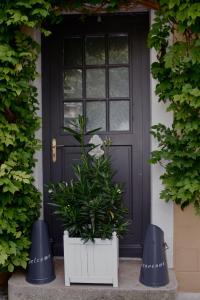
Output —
(38, 171)
(161, 212)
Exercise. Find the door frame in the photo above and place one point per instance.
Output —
(143, 20)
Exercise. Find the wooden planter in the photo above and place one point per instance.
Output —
(91, 262)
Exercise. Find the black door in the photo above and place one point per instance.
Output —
(99, 67)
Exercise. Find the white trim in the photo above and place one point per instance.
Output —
(38, 170)
(161, 212)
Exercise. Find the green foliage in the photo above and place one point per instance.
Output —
(178, 72)
(19, 200)
(91, 205)
(90, 5)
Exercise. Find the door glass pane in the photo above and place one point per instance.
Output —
(73, 84)
(71, 111)
(96, 115)
(72, 52)
(119, 82)
(119, 115)
(95, 51)
(95, 83)
(118, 50)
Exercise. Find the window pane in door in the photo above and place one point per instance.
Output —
(119, 116)
(71, 111)
(95, 51)
(118, 82)
(73, 52)
(95, 83)
(118, 49)
(96, 115)
(72, 84)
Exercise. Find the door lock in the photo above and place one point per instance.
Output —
(54, 147)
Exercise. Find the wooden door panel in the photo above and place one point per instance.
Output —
(130, 139)
(70, 157)
(122, 162)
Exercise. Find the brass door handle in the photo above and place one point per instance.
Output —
(54, 147)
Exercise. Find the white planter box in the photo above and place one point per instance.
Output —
(91, 262)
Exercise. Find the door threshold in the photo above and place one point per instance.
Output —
(130, 258)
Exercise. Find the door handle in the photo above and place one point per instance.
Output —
(53, 150)
(54, 147)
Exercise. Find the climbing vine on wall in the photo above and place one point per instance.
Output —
(19, 199)
(178, 73)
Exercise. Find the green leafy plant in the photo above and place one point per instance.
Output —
(178, 72)
(90, 206)
(19, 199)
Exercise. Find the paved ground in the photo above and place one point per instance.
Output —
(129, 287)
(181, 296)
(3, 294)
(188, 296)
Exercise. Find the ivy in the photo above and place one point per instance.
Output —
(178, 72)
(20, 200)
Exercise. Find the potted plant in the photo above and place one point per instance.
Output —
(92, 212)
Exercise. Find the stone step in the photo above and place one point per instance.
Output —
(3, 293)
(129, 287)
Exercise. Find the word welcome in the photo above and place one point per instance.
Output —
(154, 266)
(39, 260)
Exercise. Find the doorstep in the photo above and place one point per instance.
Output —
(129, 287)
(3, 293)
